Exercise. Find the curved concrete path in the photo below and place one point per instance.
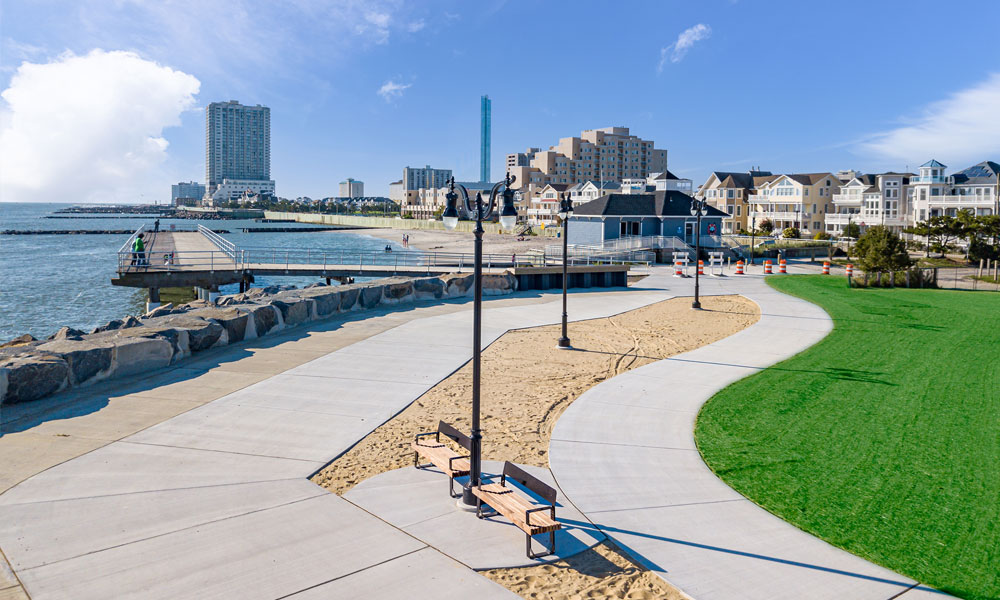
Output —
(624, 453)
(214, 503)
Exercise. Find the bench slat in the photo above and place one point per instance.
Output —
(439, 455)
(512, 505)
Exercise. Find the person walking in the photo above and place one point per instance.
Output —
(156, 226)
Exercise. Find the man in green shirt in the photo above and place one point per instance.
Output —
(138, 251)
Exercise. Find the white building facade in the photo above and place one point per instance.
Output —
(352, 188)
(975, 189)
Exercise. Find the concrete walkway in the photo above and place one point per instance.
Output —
(214, 502)
(624, 453)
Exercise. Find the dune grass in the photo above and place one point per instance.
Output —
(884, 438)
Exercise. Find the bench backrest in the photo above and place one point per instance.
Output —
(512, 471)
(455, 435)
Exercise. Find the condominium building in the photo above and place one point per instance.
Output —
(976, 189)
(186, 191)
(730, 193)
(799, 200)
(867, 200)
(237, 150)
(609, 154)
(352, 188)
(396, 192)
(416, 179)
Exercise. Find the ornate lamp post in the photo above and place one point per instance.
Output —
(698, 210)
(565, 211)
(508, 218)
(753, 232)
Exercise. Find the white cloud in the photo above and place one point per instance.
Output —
(416, 26)
(390, 89)
(89, 128)
(963, 128)
(675, 52)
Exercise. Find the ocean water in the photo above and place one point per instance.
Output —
(48, 281)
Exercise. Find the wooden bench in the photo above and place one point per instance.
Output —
(530, 517)
(441, 455)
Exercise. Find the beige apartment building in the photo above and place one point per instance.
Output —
(795, 200)
(609, 154)
(730, 193)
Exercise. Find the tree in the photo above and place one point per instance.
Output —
(852, 230)
(881, 250)
(791, 233)
(766, 226)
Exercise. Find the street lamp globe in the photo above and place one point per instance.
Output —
(508, 214)
(450, 215)
(565, 208)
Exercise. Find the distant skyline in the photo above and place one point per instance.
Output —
(106, 101)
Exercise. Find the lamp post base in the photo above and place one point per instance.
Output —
(564, 343)
(696, 305)
(467, 501)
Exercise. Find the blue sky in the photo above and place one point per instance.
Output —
(790, 86)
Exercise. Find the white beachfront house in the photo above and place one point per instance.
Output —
(868, 200)
(932, 193)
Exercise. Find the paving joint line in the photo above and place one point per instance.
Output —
(305, 589)
(318, 494)
(307, 460)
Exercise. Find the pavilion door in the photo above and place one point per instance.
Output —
(689, 232)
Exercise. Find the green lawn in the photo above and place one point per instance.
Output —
(884, 438)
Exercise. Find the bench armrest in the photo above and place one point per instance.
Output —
(527, 513)
(420, 435)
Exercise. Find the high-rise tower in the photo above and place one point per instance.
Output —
(484, 139)
(237, 149)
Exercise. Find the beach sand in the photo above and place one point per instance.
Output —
(526, 384)
(457, 241)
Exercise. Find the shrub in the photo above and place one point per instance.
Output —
(852, 230)
(821, 235)
(791, 233)
(766, 226)
(879, 249)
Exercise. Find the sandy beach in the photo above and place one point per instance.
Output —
(527, 384)
(457, 241)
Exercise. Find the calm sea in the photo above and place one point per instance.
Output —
(48, 281)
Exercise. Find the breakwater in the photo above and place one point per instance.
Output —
(32, 369)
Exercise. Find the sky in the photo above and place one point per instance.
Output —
(105, 102)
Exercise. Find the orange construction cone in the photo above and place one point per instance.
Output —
(739, 267)
(782, 266)
(767, 267)
(826, 267)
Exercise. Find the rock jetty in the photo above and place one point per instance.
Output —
(31, 369)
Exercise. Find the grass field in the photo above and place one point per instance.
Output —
(884, 438)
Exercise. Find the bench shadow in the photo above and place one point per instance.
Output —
(640, 558)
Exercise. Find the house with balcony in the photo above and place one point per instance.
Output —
(544, 205)
(667, 181)
(591, 190)
(799, 200)
(730, 193)
(975, 189)
(867, 200)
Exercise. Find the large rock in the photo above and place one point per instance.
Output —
(397, 290)
(86, 358)
(67, 333)
(109, 326)
(458, 284)
(264, 316)
(348, 298)
(294, 310)
(133, 355)
(159, 311)
(428, 287)
(32, 376)
(498, 285)
(370, 296)
(232, 320)
(201, 334)
(178, 338)
(20, 340)
(327, 299)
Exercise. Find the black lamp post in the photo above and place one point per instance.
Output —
(753, 232)
(508, 218)
(565, 210)
(698, 209)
